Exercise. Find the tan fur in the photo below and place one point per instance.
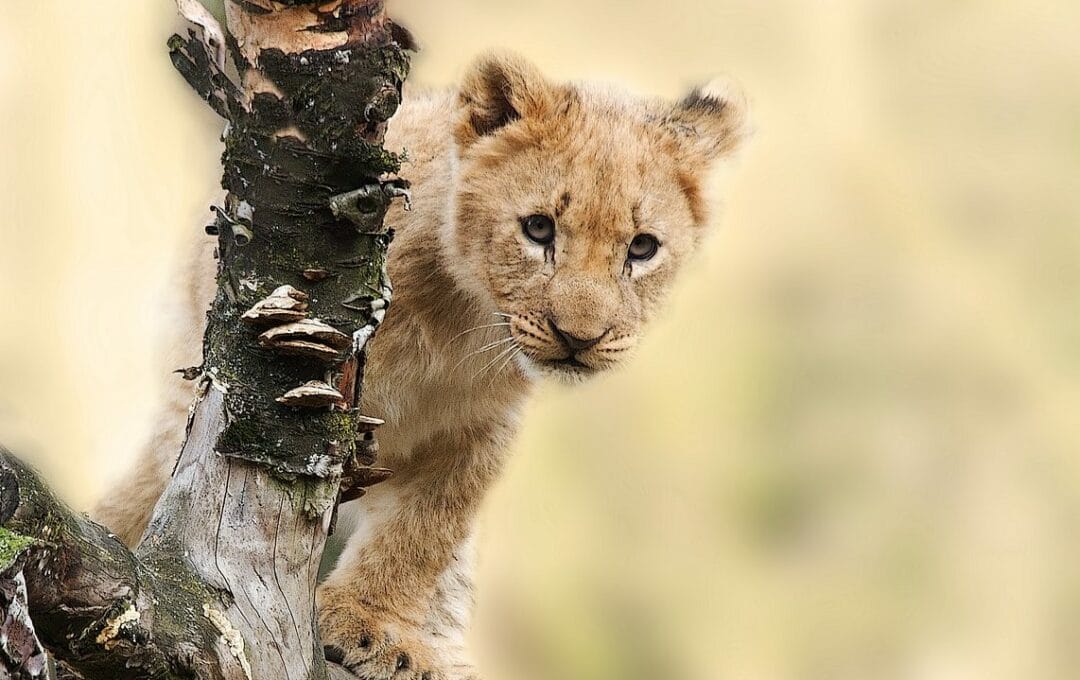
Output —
(471, 325)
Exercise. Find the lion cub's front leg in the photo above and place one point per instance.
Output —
(392, 608)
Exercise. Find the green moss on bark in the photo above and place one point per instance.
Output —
(11, 546)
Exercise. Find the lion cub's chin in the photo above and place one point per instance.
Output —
(567, 372)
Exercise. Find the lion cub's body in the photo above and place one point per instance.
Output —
(473, 323)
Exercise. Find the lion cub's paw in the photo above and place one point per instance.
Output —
(374, 644)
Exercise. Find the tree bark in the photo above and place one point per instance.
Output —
(222, 584)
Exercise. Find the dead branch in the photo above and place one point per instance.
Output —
(222, 584)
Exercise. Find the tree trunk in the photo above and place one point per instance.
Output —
(222, 584)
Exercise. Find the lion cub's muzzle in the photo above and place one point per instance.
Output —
(568, 349)
(574, 345)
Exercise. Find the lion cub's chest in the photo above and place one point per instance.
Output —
(426, 419)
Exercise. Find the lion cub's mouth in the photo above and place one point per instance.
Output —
(569, 367)
(572, 362)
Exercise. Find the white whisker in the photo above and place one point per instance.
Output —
(486, 348)
(491, 363)
(492, 345)
(504, 364)
(476, 328)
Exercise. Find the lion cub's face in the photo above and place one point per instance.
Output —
(575, 207)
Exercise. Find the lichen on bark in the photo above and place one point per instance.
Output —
(295, 148)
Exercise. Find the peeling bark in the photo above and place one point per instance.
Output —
(22, 654)
(222, 584)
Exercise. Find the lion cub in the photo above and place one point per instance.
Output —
(548, 222)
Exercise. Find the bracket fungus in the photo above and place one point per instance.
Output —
(313, 394)
(356, 480)
(368, 423)
(285, 305)
(312, 330)
(307, 338)
(307, 350)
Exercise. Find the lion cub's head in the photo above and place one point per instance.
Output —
(576, 206)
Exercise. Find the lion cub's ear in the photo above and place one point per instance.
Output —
(711, 122)
(498, 90)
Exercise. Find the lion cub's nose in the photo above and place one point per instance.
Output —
(573, 343)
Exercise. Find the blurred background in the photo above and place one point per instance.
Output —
(849, 450)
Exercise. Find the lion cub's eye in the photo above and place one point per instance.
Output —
(539, 229)
(643, 247)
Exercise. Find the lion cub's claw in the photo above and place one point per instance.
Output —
(375, 645)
